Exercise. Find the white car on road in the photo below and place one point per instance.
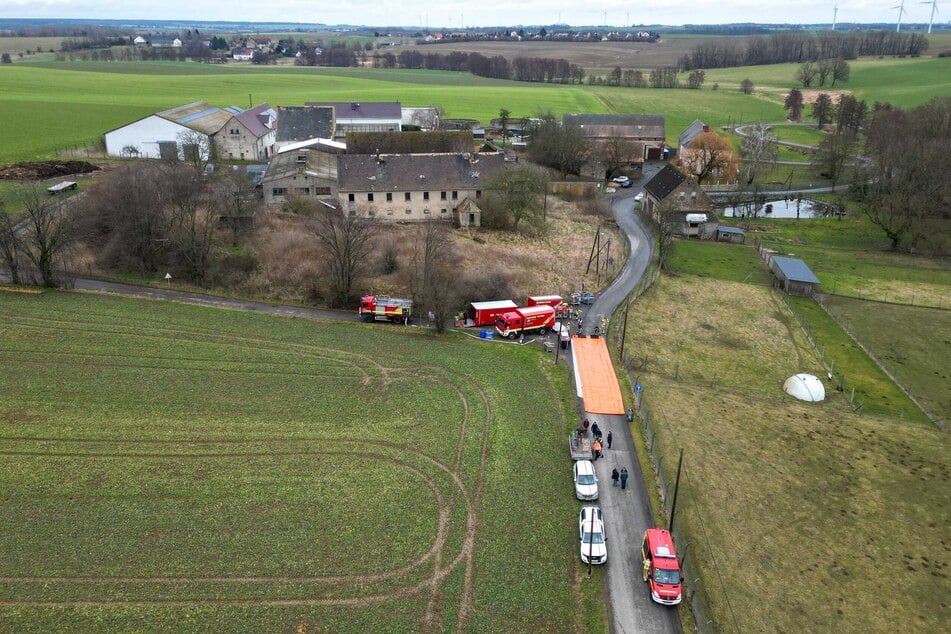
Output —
(639, 197)
(594, 547)
(586, 482)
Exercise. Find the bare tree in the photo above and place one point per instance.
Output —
(822, 109)
(47, 230)
(840, 71)
(519, 189)
(834, 153)
(434, 282)
(11, 248)
(793, 104)
(615, 153)
(807, 74)
(710, 155)
(197, 149)
(758, 151)
(192, 213)
(746, 86)
(347, 242)
(665, 219)
(236, 199)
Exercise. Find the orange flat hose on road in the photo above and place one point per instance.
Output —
(595, 380)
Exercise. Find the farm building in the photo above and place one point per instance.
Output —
(793, 275)
(646, 130)
(730, 234)
(364, 117)
(420, 118)
(681, 200)
(303, 172)
(165, 41)
(170, 133)
(242, 54)
(303, 123)
(416, 187)
(248, 135)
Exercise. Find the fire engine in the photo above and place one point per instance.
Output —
(386, 308)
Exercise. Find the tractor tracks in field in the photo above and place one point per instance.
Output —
(361, 368)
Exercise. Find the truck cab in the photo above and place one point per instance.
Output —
(664, 572)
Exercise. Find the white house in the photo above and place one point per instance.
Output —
(242, 54)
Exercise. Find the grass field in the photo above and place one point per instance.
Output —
(798, 134)
(800, 517)
(175, 467)
(916, 356)
(101, 96)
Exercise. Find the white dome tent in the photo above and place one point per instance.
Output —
(805, 387)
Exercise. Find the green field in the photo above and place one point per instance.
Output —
(910, 341)
(170, 467)
(783, 501)
(798, 134)
(47, 106)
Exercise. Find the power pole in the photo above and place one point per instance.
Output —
(673, 505)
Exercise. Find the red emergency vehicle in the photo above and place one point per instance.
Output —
(528, 320)
(664, 571)
(484, 313)
(386, 308)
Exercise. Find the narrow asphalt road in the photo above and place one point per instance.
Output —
(627, 512)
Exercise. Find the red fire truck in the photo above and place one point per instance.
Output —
(530, 319)
(386, 308)
(664, 569)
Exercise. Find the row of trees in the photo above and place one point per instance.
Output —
(36, 241)
(533, 69)
(822, 71)
(848, 113)
(798, 47)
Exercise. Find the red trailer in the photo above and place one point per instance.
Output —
(562, 309)
(484, 313)
(530, 319)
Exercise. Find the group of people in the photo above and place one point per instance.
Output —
(597, 447)
(619, 475)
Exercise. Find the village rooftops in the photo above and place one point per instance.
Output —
(664, 182)
(795, 270)
(691, 132)
(259, 120)
(414, 172)
(300, 123)
(648, 126)
(200, 116)
(358, 110)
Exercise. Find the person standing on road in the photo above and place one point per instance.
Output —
(597, 449)
(610, 437)
(615, 476)
(624, 477)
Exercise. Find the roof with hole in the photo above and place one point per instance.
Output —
(301, 123)
(795, 270)
(415, 172)
(199, 116)
(646, 126)
(357, 110)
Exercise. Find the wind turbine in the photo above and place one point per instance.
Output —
(835, 13)
(934, 9)
(901, 9)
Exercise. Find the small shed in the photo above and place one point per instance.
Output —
(730, 234)
(793, 276)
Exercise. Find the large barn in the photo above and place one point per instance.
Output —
(167, 134)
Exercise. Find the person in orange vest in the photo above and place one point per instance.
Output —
(647, 569)
(597, 449)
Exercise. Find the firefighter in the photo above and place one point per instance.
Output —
(647, 569)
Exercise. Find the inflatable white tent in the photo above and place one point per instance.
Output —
(805, 387)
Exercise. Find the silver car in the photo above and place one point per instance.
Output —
(594, 548)
(586, 482)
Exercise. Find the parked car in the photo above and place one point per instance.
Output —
(591, 534)
(639, 197)
(581, 297)
(664, 568)
(586, 482)
(622, 181)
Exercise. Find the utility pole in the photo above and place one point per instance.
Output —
(624, 329)
(673, 505)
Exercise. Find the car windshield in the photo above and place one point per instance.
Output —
(585, 479)
(593, 538)
(667, 576)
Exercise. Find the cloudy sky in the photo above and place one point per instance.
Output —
(456, 13)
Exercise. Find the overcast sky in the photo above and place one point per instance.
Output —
(456, 13)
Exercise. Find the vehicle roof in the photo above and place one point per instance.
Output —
(584, 466)
(586, 513)
(498, 303)
(544, 298)
(661, 546)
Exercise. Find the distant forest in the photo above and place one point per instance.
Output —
(797, 47)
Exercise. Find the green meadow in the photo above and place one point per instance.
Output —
(47, 106)
(167, 467)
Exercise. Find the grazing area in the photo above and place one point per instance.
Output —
(783, 501)
(165, 465)
(913, 344)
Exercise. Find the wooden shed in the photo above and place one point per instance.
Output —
(730, 234)
(793, 276)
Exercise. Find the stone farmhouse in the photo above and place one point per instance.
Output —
(302, 172)
(647, 130)
(416, 187)
(303, 123)
(248, 135)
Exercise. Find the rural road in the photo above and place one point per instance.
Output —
(627, 513)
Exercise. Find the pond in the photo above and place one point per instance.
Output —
(782, 208)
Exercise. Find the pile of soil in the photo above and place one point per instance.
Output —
(41, 170)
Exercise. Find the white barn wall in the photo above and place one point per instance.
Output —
(144, 135)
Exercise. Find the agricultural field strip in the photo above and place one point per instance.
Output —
(441, 569)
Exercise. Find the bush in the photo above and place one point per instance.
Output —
(389, 260)
(487, 287)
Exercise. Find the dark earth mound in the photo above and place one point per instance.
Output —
(41, 170)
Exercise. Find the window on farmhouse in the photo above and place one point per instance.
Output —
(425, 195)
(322, 191)
(478, 193)
(389, 197)
(369, 198)
(277, 191)
(350, 197)
(407, 196)
(455, 195)
(442, 195)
